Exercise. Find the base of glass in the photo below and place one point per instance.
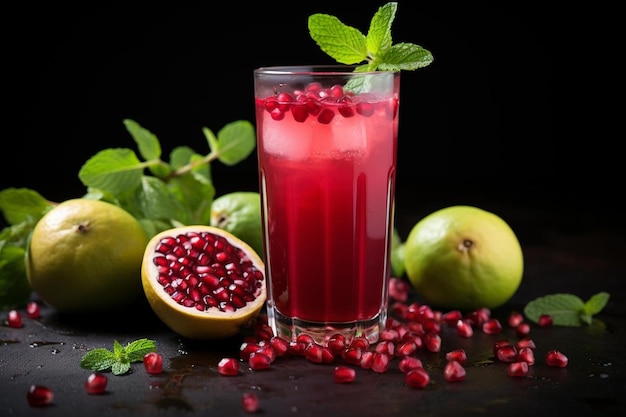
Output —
(289, 328)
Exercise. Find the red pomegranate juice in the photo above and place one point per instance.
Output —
(327, 163)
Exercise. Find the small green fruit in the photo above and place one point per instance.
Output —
(463, 257)
(85, 257)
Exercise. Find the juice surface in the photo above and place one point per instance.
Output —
(328, 192)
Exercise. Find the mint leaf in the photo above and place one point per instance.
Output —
(116, 170)
(234, 142)
(137, 350)
(378, 38)
(100, 359)
(405, 56)
(596, 303)
(22, 204)
(566, 309)
(375, 51)
(119, 359)
(147, 143)
(345, 44)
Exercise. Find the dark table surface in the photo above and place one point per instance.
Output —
(575, 250)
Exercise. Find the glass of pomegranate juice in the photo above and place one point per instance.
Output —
(327, 141)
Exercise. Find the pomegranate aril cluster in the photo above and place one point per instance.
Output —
(410, 329)
(204, 271)
(323, 103)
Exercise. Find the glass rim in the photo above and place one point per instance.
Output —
(329, 69)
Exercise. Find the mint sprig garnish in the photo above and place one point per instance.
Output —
(371, 52)
(566, 309)
(119, 359)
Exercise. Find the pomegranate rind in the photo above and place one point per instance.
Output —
(190, 322)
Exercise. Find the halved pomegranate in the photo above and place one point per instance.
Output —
(203, 282)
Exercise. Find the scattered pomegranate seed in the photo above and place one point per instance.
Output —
(464, 328)
(33, 310)
(380, 362)
(517, 369)
(367, 359)
(263, 331)
(406, 348)
(417, 378)
(432, 341)
(492, 326)
(557, 359)
(458, 355)
(267, 349)
(398, 289)
(250, 402)
(96, 383)
(280, 345)
(314, 352)
(246, 348)
(515, 318)
(478, 317)
(545, 320)
(526, 355)
(386, 347)
(153, 362)
(344, 374)
(228, 366)
(39, 396)
(336, 343)
(525, 343)
(360, 342)
(352, 355)
(454, 371)
(451, 318)
(522, 330)
(258, 361)
(15, 319)
(499, 344)
(507, 353)
(408, 363)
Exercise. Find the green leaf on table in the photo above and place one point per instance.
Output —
(565, 309)
(116, 170)
(119, 359)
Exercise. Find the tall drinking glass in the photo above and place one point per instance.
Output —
(327, 145)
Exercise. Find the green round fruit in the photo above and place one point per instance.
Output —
(463, 257)
(239, 213)
(85, 256)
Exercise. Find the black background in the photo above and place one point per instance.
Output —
(512, 110)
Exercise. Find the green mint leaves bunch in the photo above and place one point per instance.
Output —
(566, 309)
(119, 359)
(371, 52)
